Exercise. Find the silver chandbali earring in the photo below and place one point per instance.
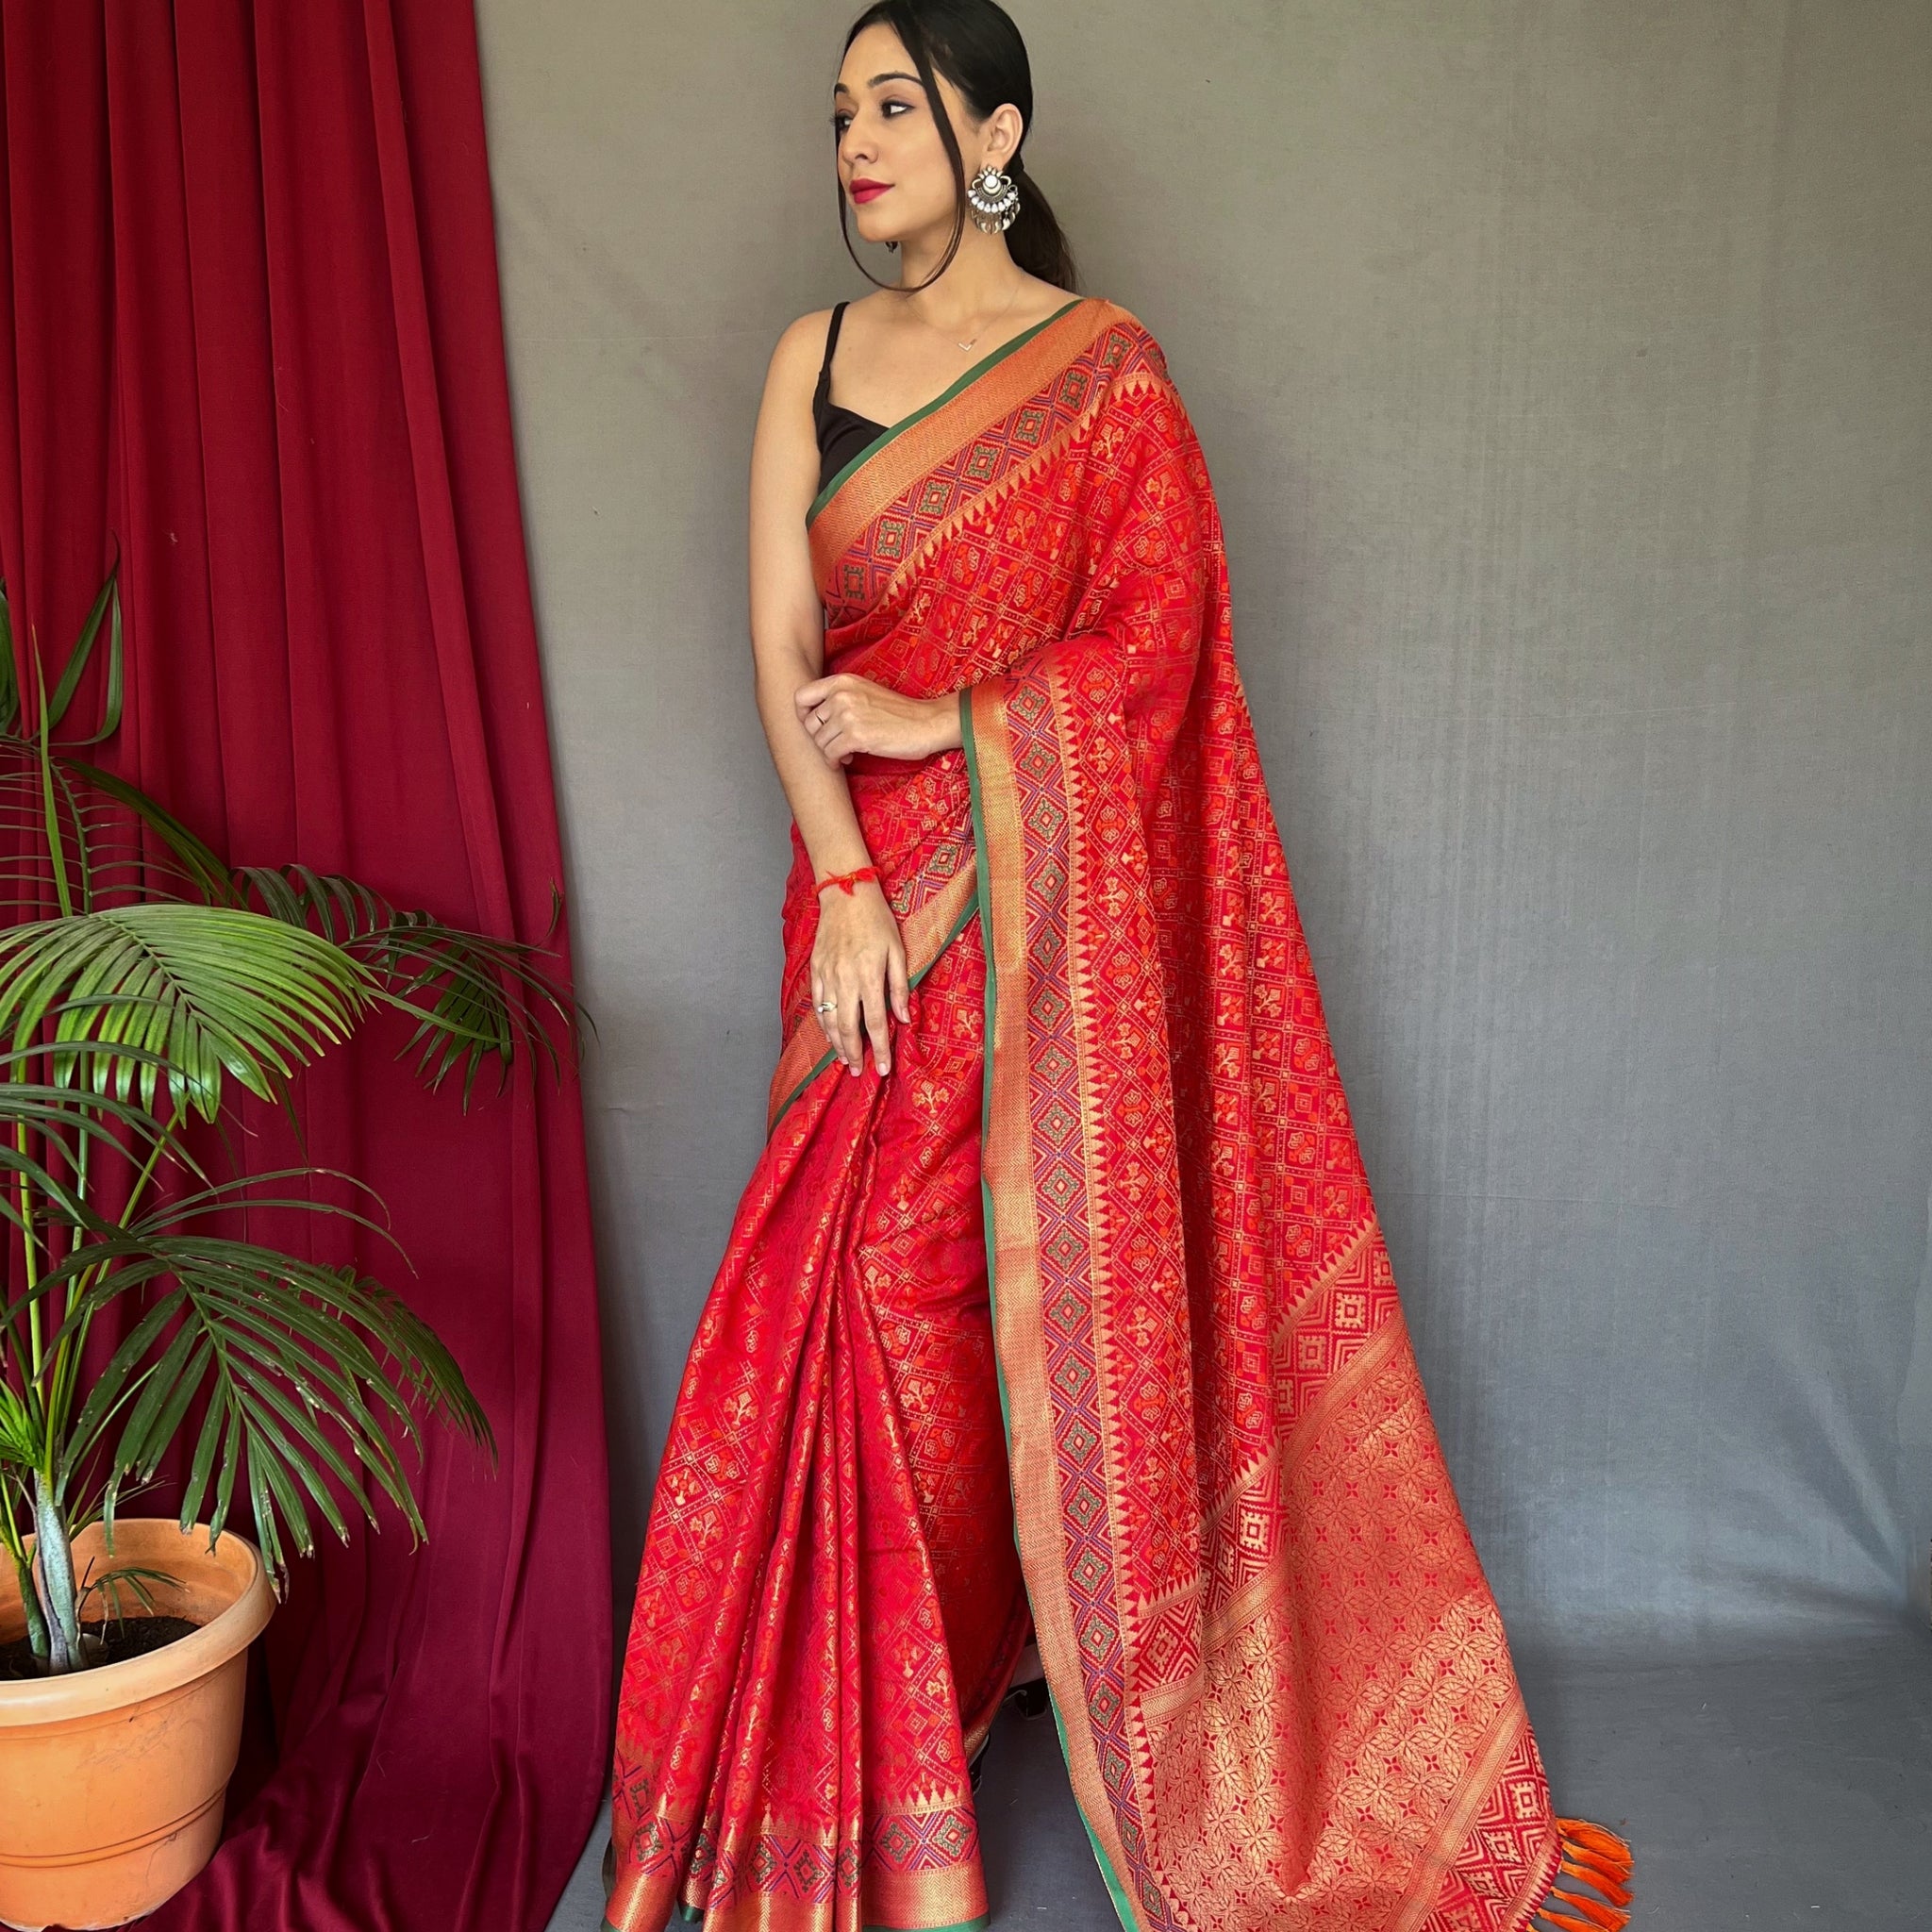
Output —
(994, 198)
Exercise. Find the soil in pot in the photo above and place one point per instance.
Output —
(122, 1638)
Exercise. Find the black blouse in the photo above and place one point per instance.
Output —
(842, 433)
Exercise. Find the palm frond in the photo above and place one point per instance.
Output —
(120, 845)
(135, 1578)
(314, 1374)
(211, 991)
(106, 603)
(167, 975)
(473, 997)
(200, 869)
(10, 672)
(20, 1430)
(70, 1117)
(47, 1129)
(243, 1194)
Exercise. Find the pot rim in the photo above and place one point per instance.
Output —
(173, 1667)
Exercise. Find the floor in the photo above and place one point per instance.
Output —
(1783, 1786)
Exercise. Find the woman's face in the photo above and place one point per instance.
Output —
(889, 139)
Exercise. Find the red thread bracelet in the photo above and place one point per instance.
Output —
(847, 880)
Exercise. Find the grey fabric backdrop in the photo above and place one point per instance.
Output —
(1563, 369)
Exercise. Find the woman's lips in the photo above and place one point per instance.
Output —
(869, 191)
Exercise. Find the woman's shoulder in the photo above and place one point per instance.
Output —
(792, 374)
(803, 339)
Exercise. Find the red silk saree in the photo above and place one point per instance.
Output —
(1081, 1320)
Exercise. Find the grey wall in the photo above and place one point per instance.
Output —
(1563, 372)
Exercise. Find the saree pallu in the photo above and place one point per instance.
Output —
(1082, 1318)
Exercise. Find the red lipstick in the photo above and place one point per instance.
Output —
(862, 190)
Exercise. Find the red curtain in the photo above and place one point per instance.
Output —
(252, 338)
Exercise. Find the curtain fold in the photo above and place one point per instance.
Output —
(252, 343)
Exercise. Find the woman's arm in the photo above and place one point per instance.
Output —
(858, 959)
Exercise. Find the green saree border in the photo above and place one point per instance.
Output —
(919, 415)
(983, 898)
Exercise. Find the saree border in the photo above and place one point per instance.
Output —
(1457, 1817)
(837, 480)
(689, 1915)
(919, 544)
(848, 1888)
(886, 469)
(1013, 1278)
(928, 933)
(1021, 766)
(682, 1914)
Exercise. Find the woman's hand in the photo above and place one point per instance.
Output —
(859, 963)
(845, 714)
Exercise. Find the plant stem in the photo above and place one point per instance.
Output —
(30, 1603)
(67, 1357)
(57, 861)
(53, 1556)
(57, 846)
(31, 1243)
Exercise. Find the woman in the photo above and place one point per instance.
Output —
(1045, 999)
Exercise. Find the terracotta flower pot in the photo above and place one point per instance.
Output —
(111, 1780)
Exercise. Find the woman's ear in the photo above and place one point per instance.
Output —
(1004, 128)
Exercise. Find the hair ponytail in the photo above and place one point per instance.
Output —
(1036, 239)
(976, 46)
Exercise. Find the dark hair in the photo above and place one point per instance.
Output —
(977, 47)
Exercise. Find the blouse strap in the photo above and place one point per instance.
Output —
(831, 343)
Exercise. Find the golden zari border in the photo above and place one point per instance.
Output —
(1013, 1272)
(1459, 1816)
(873, 1911)
(900, 462)
(949, 1899)
(913, 1899)
(1160, 1703)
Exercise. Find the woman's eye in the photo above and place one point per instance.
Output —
(842, 119)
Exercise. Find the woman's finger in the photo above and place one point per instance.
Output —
(825, 994)
(876, 1025)
(825, 1020)
(818, 691)
(851, 1041)
(900, 985)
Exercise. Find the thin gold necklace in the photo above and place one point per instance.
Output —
(983, 326)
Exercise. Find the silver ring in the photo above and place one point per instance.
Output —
(829, 1006)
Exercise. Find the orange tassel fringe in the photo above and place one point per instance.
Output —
(1599, 1875)
(1598, 1859)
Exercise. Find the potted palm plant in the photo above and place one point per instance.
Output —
(145, 986)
